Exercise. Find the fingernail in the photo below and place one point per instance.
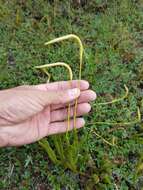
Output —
(73, 93)
(82, 122)
(93, 96)
(86, 83)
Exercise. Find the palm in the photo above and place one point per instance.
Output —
(33, 128)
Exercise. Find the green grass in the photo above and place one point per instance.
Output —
(112, 35)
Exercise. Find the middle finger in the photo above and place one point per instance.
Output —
(85, 96)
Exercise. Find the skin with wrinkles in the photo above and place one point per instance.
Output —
(29, 113)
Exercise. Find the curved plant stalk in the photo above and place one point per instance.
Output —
(47, 73)
(104, 140)
(116, 99)
(77, 39)
(43, 67)
(81, 50)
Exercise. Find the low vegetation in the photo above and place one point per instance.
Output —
(110, 155)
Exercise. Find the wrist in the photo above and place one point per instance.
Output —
(3, 139)
(3, 101)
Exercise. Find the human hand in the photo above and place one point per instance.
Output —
(29, 113)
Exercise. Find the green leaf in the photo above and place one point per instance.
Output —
(45, 144)
(59, 146)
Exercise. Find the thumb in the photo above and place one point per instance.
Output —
(57, 97)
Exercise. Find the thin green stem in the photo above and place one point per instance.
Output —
(116, 99)
(104, 140)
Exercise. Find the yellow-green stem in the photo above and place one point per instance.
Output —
(76, 38)
(116, 99)
(104, 140)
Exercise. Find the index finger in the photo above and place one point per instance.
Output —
(63, 85)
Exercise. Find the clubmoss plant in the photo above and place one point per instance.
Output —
(81, 50)
(67, 148)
